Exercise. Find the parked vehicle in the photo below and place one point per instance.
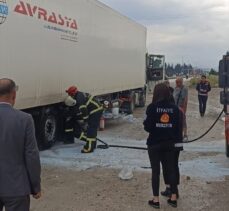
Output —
(47, 46)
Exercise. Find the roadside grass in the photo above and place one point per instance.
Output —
(211, 78)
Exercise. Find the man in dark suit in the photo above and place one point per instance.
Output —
(19, 156)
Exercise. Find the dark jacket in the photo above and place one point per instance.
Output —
(86, 105)
(19, 156)
(203, 88)
(171, 98)
(164, 123)
(171, 89)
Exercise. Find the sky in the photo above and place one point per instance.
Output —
(192, 31)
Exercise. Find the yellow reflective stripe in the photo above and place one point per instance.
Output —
(92, 101)
(95, 103)
(69, 130)
(98, 109)
(89, 146)
(83, 106)
(86, 117)
(89, 100)
(86, 150)
(91, 139)
(82, 136)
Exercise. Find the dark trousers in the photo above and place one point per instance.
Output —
(168, 157)
(202, 103)
(15, 203)
(69, 124)
(93, 124)
(89, 134)
(176, 167)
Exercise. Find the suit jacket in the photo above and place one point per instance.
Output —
(19, 156)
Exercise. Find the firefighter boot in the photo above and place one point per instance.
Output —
(90, 146)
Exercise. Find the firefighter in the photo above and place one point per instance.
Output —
(88, 112)
(203, 87)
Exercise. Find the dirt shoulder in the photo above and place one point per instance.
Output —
(102, 190)
(99, 188)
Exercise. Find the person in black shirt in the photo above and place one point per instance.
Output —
(203, 87)
(164, 123)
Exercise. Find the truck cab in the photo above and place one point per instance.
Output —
(155, 67)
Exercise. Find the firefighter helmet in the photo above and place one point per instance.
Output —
(70, 101)
(72, 90)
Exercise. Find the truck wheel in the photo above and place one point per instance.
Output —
(142, 99)
(47, 131)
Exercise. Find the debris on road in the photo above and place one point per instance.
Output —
(126, 173)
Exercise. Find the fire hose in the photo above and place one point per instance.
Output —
(106, 146)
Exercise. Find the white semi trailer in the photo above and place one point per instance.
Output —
(47, 46)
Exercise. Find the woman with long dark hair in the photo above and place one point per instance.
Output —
(164, 124)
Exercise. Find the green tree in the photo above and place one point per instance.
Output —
(213, 72)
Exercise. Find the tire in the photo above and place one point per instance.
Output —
(142, 99)
(47, 130)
